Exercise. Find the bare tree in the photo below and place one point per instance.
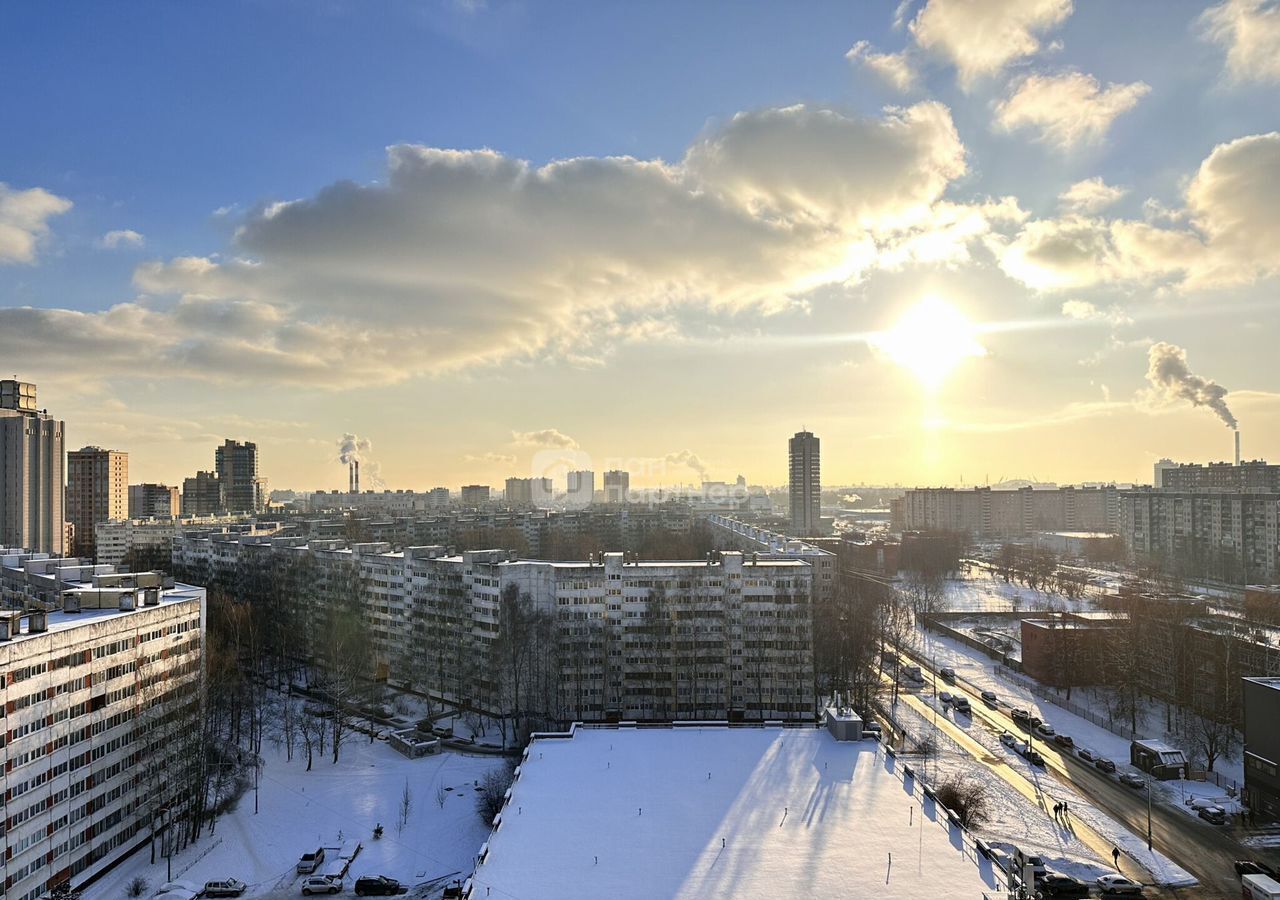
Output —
(405, 809)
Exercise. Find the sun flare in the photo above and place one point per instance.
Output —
(930, 340)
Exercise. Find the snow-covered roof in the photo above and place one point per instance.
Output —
(717, 812)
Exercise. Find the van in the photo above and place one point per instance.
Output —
(1260, 887)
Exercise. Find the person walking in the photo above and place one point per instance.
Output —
(1115, 858)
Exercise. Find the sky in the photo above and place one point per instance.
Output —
(962, 241)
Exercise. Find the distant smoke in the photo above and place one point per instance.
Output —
(1171, 380)
(687, 458)
(352, 448)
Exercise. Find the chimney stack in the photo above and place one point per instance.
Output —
(1237, 446)
(351, 477)
(357, 465)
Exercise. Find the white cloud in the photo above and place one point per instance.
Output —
(982, 37)
(1090, 196)
(1067, 109)
(1084, 311)
(894, 69)
(24, 221)
(468, 258)
(1250, 32)
(1232, 235)
(125, 237)
(500, 458)
(546, 437)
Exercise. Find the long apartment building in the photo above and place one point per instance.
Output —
(152, 538)
(100, 700)
(996, 513)
(725, 637)
(765, 544)
(1230, 535)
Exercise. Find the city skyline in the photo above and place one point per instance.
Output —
(1032, 257)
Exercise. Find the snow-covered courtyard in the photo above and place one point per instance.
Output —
(332, 805)
(711, 812)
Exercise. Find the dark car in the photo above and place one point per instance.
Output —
(961, 705)
(1129, 779)
(1019, 715)
(1086, 754)
(1036, 722)
(1033, 757)
(989, 698)
(1104, 765)
(1251, 867)
(379, 886)
(1215, 815)
(1064, 740)
(948, 674)
(1056, 885)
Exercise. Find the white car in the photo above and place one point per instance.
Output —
(1117, 884)
(321, 884)
(178, 890)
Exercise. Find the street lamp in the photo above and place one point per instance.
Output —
(1148, 813)
(168, 848)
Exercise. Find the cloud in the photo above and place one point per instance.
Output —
(1172, 380)
(1084, 311)
(687, 458)
(24, 221)
(466, 258)
(1090, 196)
(1067, 109)
(126, 237)
(547, 437)
(982, 37)
(894, 69)
(1231, 233)
(500, 458)
(1250, 32)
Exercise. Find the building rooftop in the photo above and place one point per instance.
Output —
(712, 811)
(1269, 681)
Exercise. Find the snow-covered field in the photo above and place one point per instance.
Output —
(980, 591)
(716, 812)
(328, 806)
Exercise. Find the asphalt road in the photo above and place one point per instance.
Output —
(1206, 851)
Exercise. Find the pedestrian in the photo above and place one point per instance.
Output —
(1057, 809)
(1115, 858)
(1066, 810)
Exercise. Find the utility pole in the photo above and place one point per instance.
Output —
(1148, 813)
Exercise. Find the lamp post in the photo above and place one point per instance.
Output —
(168, 849)
(1148, 813)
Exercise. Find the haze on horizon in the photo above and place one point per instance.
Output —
(476, 233)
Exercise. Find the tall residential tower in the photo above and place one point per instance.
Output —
(31, 467)
(806, 484)
(97, 491)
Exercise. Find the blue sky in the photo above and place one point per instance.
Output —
(153, 117)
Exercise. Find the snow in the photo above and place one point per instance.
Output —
(332, 806)
(722, 812)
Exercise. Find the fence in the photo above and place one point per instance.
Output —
(1054, 696)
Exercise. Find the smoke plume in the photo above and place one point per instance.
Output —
(353, 448)
(687, 458)
(1172, 380)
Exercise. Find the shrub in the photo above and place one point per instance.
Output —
(966, 797)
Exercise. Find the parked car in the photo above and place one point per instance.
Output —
(1117, 884)
(870, 728)
(1215, 815)
(946, 698)
(990, 698)
(1044, 729)
(310, 862)
(1102, 764)
(1056, 885)
(1086, 754)
(1033, 757)
(230, 887)
(1022, 859)
(321, 884)
(947, 674)
(178, 890)
(1064, 740)
(1009, 740)
(961, 705)
(378, 886)
(1130, 779)
(1035, 721)
(1020, 717)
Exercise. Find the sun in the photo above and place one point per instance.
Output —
(930, 340)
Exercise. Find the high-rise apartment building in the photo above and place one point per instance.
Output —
(97, 491)
(805, 484)
(31, 472)
(102, 717)
(153, 501)
(474, 494)
(202, 495)
(617, 486)
(529, 491)
(1246, 476)
(997, 513)
(236, 464)
(580, 488)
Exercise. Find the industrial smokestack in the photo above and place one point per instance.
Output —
(351, 477)
(357, 465)
(1237, 446)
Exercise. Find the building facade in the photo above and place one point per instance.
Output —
(31, 472)
(236, 465)
(102, 702)
(1233, 536)
(97, 491)
(805, 484)
(202, 495)
(1246, 476)
(993, 513)
(1262, 746)
(580, 489)
(153, 501)
(727, 637)
(474, 494)
(617, 486)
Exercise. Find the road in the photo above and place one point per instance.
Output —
(1206, 851)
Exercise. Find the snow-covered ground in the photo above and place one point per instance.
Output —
(980, 591)
(716, 812)
(328, 806)
(978, 670)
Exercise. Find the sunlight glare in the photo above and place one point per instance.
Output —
(930, 340)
